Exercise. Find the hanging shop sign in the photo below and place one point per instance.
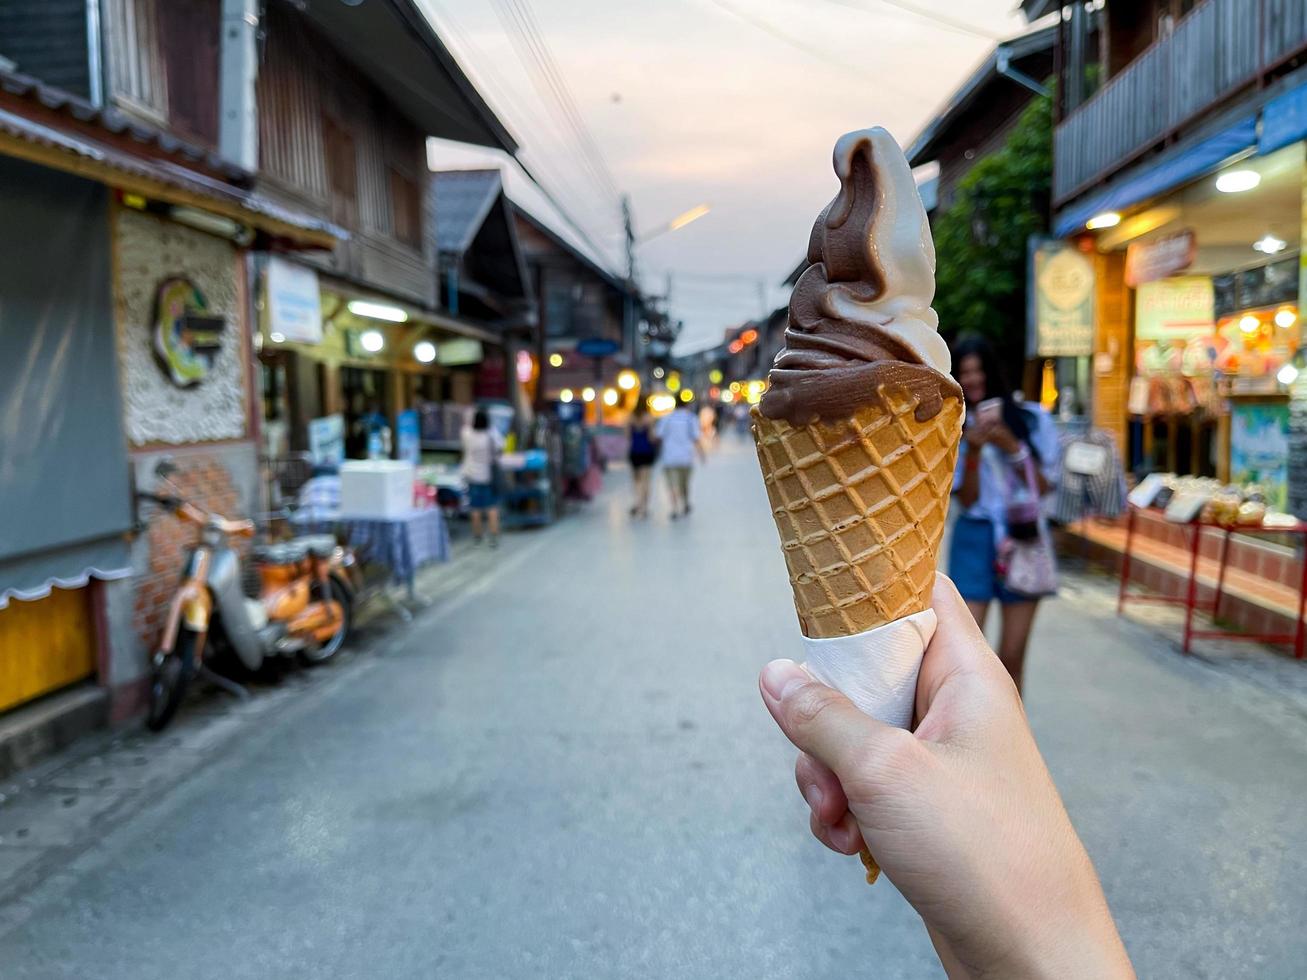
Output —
(459, 351)
(1150, 261)
(327, 440)
(1061, 315)
(1175, 309)
(408, 436)
(1259, 448)
(294, 305)
(187, 337)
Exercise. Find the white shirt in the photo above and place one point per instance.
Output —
(480, 447)
(678, 433)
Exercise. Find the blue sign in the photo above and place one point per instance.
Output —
(409, 431)
(597, 347)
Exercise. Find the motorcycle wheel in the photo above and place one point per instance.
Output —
(321, 654)
(168, 681)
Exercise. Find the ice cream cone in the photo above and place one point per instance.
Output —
(858, 433)
(860, 506)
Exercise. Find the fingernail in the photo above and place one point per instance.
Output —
(815, 797)
(781, 674)
(841, 836)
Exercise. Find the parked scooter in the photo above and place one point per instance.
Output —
(303, 606)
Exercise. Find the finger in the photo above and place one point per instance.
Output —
(958, 651)
(843, 838)
(819, 720)
(821, 788)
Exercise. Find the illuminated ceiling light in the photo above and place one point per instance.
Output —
(728, 397)
(1287, 375)
(687, 395)
(735, 387)
(610, 396)
(1250, 324)
(1108, 219)
(1237, 181)
(377, 311)
(424, 351)
(694, 214)
(587, 394)
(715, 376)
(673, 382)
(1285, 318)
(661, 403)
(1269, 244)
(277, 338)
(565, 395)
(555, 360)
(627, 380)
(658, 372)
(372, 341)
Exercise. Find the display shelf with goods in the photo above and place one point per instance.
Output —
(528, 493)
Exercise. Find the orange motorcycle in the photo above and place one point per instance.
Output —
(301, 606)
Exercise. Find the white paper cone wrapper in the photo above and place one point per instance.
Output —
(876, 670)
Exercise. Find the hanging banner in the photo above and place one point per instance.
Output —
(327, 440)
(408, 436)
(1176, 309)
(1150, 261)
(1061, 300)
(294, 305)
(1259, 448)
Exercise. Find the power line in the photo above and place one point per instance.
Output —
(941, 21)
(822, 55)
(535, 57)
(588, 143)
(580, 199)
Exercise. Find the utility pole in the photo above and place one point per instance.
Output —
(628, 304)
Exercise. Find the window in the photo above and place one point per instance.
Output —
(406, 209)
(189, 36)
(342, 172)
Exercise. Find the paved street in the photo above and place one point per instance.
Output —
(564, 770)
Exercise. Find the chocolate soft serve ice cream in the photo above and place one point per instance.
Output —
(860, 316)
(858, 432)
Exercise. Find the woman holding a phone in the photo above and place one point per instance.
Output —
(1008, 460)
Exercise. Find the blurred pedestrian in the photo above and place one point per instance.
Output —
(678, 437)
(643, 454)
(1007, 462)
(707, 427)
(481, 448)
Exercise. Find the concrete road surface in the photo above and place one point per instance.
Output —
(564, 770)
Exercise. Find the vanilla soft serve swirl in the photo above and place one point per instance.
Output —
(860, 315)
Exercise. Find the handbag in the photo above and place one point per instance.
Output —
(1025, 557)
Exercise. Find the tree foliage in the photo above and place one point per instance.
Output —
(981, 239)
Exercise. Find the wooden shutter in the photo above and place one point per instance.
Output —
(342, 172)
(190, 34)
(406, 207)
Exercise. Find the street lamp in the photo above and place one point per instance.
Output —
(677, 223)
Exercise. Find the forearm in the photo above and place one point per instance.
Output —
(969, 490)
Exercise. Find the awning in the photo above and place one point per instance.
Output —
(160, 179)
(1179, 168)
(1284, 120)
(392, 43)
(416, 314)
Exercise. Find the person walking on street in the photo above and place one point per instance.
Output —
(643, 455)
(678, 436)
(1007, 462)
(481, 447)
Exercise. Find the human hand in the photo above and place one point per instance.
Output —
(977, 434)
(1001, 436)
(961, 814)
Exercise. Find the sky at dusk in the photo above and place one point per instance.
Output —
(732, 103)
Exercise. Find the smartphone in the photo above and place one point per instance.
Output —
(990, 410)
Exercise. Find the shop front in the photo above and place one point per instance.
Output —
(1211, 335)
(63, 456)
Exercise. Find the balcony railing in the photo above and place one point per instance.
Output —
(1221, 47)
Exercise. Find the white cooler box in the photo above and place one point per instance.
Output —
(379, 488)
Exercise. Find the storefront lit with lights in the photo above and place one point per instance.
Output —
(1206, 359)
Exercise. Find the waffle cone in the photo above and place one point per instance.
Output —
(860, 506)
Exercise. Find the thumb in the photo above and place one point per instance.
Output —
(821, 721)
